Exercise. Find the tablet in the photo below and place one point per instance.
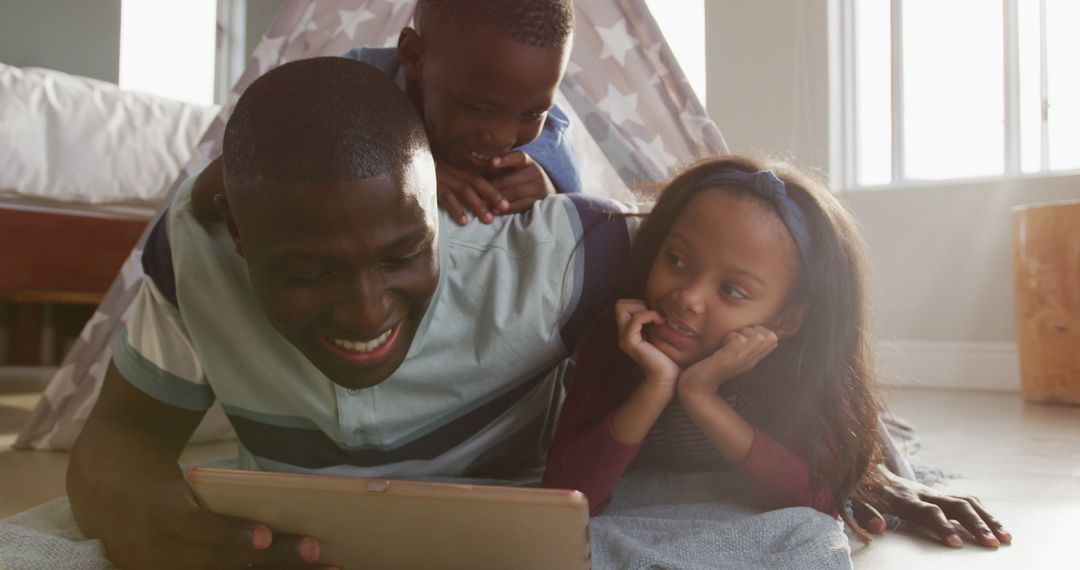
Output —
(392, 524)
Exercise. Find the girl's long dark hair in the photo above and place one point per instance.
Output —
(819, 383)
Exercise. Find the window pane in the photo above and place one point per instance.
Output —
(873, 93)
(1030, 87)
(953, 88)
(683, 26)
(167, 48)
(1063, 83)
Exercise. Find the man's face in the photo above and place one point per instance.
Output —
(481, 94)
(344, 271)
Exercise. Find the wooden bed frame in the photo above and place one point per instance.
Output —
(52, 258)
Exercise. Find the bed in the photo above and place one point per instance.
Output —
(83, 168)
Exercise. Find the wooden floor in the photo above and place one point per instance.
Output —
(1022, 460)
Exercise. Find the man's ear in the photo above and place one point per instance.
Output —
(789, 320)
(410, 50)
(222, 204)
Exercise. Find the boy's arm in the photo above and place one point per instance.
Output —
(127, 489)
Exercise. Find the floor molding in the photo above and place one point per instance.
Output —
(964, 365)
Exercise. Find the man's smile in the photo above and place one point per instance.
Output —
(363, 352)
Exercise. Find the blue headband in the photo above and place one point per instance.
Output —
(766, 185)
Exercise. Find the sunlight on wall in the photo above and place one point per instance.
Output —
(167, 48)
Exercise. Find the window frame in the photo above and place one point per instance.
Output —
(843, 126)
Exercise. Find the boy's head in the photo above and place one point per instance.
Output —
(330, 199)
(484, 73)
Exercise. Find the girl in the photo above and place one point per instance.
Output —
(739, 340)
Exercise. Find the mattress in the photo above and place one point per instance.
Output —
(86, 145)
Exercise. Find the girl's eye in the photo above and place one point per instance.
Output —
(734, 292)
(535, 116)
(675, 261)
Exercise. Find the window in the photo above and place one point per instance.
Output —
(949, 89)
(168, 48)
(683, 26)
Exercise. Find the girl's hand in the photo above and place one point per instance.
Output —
(631, 316)
(741, 351)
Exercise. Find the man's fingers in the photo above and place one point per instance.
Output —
(930, 517)
(290, 550)
(868, 517)
(996, 527)
(964, 513)
(202, 526)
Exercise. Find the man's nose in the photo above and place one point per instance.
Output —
(363, 306)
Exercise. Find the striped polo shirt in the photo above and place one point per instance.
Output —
(474, 396)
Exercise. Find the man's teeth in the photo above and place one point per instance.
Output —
(361, 347)
(479, 156)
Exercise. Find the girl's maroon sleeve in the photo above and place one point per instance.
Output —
(584, 455)
(781, 478)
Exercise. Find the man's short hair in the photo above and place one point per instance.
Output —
(536, 23)
(320, 120)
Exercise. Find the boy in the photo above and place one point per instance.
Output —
(483, 75)
(341, 330)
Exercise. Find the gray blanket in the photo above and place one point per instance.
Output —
(656, 520)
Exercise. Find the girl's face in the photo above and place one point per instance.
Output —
(727, 263)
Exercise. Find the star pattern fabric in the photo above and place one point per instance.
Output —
(635, 119)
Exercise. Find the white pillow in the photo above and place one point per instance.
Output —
(76, 139)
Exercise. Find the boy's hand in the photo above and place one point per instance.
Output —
(741, 351)
(631, 316)
(458, 190)
(524, 183)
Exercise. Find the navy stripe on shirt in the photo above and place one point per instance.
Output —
(607, 246)
(313, 449)
(157, 260)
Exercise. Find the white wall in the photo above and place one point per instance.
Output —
(73, 36)
(941, 254)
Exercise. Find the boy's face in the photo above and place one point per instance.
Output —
(480, 94)
(344, 271)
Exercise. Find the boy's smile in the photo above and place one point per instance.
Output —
(345, 270)
(480, 93)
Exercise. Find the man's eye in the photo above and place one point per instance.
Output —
(401, 261)
(307, 276)
(537, 116)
